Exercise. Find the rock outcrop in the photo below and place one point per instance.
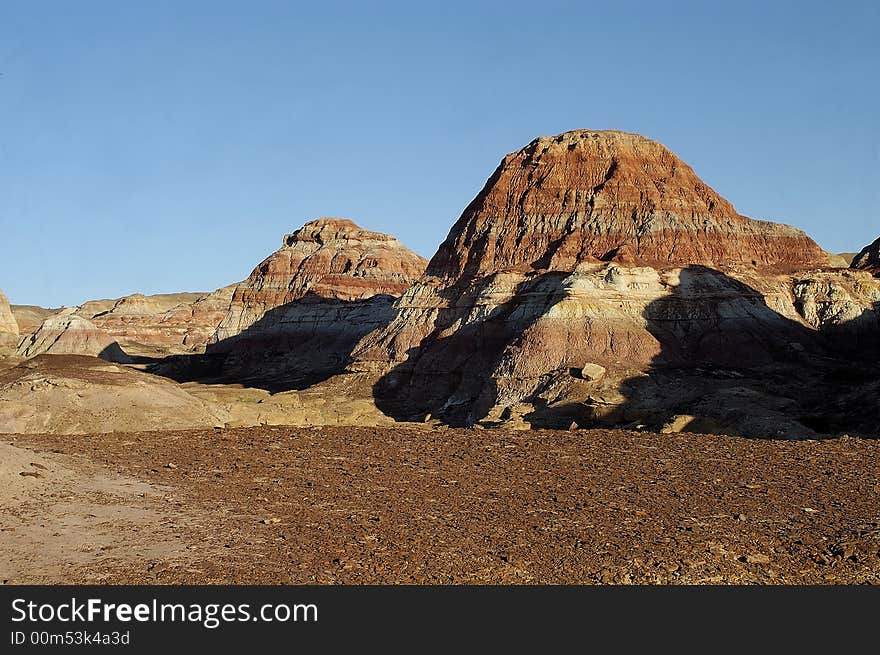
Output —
(161, 324)
(603, 251)
(67, 333)
(127, 328)
(587, 196)
(869, 258)
(328, 258)
(195, 323)
(8, 327)
(297, 316)
(844, 304)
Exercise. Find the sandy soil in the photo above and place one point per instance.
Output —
(405, 505)
(61, 514)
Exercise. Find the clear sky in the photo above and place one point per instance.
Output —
(167, 146)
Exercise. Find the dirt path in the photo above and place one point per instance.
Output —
(62, 518)
(373, 505)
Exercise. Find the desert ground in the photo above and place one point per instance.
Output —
(437, 505)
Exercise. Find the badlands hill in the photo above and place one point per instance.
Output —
(126, 329)
(68, 333)
(296, 318)
(29, 317)
(588, 196)
(328, 258)
(591, 265)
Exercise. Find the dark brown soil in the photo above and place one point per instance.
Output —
(405, 505)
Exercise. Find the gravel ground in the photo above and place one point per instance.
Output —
(464, 506)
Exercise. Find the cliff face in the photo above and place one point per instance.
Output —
(586, 196)
(8, 327)
(590, 260)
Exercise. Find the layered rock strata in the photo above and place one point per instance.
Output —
(67, 333)
(161, 324)
(29, 317)
(134, 326)
(585, 196)
(296, 318)
(328, 258)
(602, 251)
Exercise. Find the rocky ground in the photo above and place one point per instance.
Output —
(422, 505)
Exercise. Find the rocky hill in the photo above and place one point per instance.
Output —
(295, 319)
(67, 333)
(587, 196)
(135, 326)
(592, 260)
(29, 317)
(328, 258)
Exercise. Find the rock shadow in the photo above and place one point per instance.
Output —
(115, 353)
(447, 376)
(291, 347)
(730, 364)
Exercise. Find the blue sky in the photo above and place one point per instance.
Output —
(168, 146)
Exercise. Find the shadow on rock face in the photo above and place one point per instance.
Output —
(729, 364)
(114, 353)
(726, 363)
(447, 376)
(292, 347)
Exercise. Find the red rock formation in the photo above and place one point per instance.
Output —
(585, 195)
(151, 325)
(329, 258)
(869, 258)
(588, 260)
